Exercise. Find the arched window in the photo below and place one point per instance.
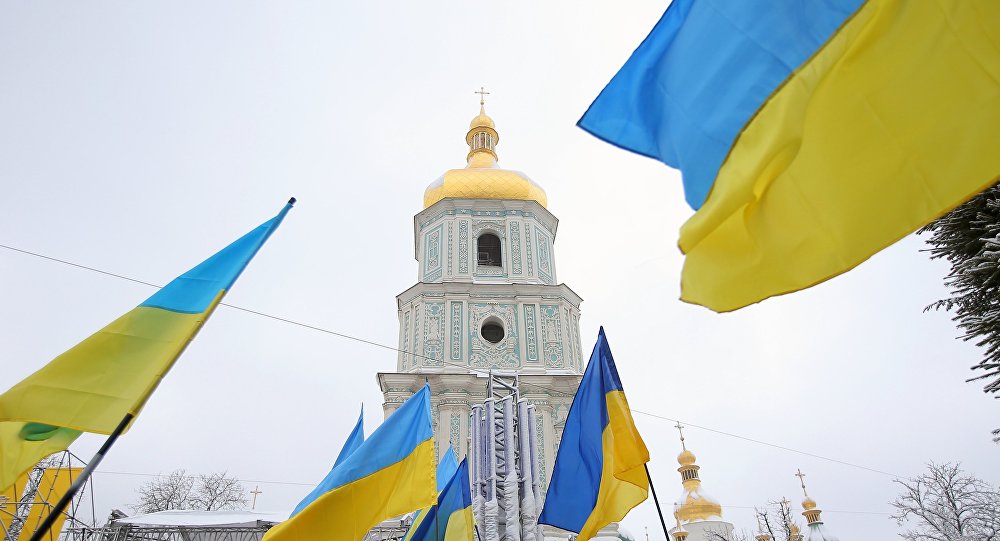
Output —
(488, 250)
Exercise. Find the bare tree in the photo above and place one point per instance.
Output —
(178, 490)
(172, 491)
(775, 519)
(947, 504)
(217, 491)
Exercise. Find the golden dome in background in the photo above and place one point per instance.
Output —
(482, 120)
(686, 458)
(482, 178)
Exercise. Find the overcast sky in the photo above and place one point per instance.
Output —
(141, 137)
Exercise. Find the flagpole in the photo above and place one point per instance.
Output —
(655, 500)
(81, 480)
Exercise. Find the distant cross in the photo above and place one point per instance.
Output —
(482, 95)
(255, 492)
(785, 504)
(802, 481)
(680, 429)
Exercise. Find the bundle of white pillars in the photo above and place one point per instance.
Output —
(504, 463)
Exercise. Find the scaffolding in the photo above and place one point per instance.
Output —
(504, 460)
(38, 496)
(141, 532)
(391, 530)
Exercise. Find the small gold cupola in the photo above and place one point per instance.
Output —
(482, 137)
(695, 505)
(794, 532)
(678, 532)
(810, 511)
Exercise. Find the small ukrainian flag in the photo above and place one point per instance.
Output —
(390, 474)
(599, 474)
(451, 519)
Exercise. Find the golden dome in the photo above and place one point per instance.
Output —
(484, 183)
(482, 178)
(808, 504)
(697, 506)
(482, 120)
(686, 458)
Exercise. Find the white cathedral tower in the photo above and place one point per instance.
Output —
(487, 298)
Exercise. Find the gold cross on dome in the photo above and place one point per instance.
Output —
(802, 481)
(255, 492)
(482, 95)
(680, 429)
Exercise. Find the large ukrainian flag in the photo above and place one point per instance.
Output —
(810, 133)
(451, 518)
(599, 474)
(94, 385)
(390, 474)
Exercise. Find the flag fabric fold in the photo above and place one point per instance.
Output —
(446, 469)
(450, 519)
(92, 386)
(390, 474)
(599, 473)
(810, 134)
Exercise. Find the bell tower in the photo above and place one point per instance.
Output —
(487, 298)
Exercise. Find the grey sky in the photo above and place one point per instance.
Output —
(140, 137)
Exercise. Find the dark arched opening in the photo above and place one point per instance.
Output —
(488, 250)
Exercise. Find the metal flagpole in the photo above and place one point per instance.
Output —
(79, 482)
(655, 500)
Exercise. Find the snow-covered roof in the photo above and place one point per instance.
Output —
(204, 518)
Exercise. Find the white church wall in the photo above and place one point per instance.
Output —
(703, 530)
(445, 236)
(440, 327)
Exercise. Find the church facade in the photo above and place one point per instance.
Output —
(487, 299)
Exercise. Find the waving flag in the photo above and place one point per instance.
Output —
(354, 441)
(390, 474)
(451, 518)
(599, 474)
(810, 133)
(94, 385)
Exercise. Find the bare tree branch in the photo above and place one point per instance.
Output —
(177, 490)
(947, 504)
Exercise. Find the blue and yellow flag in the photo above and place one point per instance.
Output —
(354, 441)
(451, 518)
(446, 469)
(390, 474)
(599, 474)
(810, 133)
(91, 387)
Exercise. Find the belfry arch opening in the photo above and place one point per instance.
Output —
(488, 251)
